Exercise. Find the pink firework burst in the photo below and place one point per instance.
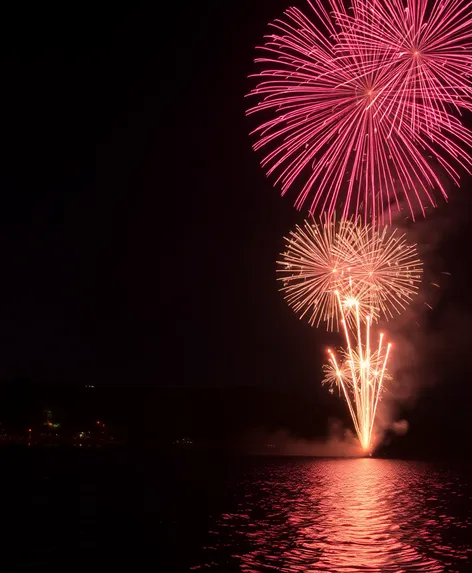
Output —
(423, 46)
(333, 131)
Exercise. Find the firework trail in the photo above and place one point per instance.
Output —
(346, 125)
(375, 269)
(360, 377)
(348, 274)
(424, 48)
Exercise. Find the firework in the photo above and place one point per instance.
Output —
(348, 367)
(348, 274)
(338, 130)
(424, 48)
(374, 270)
(360, 374)
(313, 269)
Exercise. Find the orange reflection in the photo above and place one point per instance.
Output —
(357, 515)
(343, 515)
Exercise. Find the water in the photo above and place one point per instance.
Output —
(340, 515)
(104, 511)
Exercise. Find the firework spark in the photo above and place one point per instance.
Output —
(423, 46)
(343, 367)
(313, 269)
(349, 274)
(338, 129)
(374, 269)
(360, 374)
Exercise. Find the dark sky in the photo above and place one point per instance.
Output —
(138, 234)
(137, 229)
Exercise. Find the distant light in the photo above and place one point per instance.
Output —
(29, 430)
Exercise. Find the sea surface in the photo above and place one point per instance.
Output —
(104, 511)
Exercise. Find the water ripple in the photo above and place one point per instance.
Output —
(344, 515)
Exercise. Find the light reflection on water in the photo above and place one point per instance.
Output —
(346, 515)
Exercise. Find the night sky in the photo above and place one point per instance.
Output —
(138, 234)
